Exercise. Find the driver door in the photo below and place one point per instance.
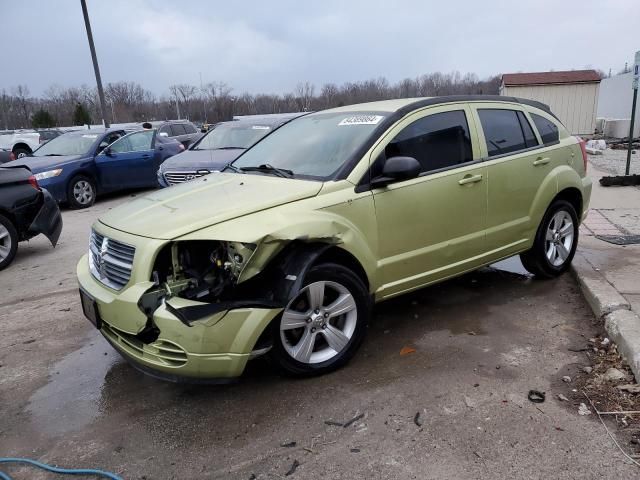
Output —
(129, 162)
(432, 226)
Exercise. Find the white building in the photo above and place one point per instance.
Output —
(614, 105)
(571, 95)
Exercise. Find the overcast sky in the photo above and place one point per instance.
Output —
(270, 46)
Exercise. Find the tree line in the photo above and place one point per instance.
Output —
(215, 101)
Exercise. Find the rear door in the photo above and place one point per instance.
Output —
(517, 165)
(129, 162)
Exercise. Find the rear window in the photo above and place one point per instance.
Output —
(177, 129)
(546, 128)
(189, 128)
(502, 131)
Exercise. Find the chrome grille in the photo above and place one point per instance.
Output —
(173, 178)
(110, 261)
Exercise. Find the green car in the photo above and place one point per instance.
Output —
(286, 251)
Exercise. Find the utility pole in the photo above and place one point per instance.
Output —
(636, 78)
(103, 108)
(204, 104)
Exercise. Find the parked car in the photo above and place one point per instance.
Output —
(181, 130)
(26, 210)
(23, 142)
(217, 149)
(78, 166)
(332, 212)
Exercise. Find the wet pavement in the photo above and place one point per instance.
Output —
(481, 343)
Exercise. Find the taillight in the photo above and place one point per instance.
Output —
(583, 147)
(34, 182)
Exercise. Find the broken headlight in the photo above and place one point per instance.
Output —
(203, 270)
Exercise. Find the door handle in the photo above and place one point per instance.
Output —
(470, 179)
(541, 161)
(146, 156)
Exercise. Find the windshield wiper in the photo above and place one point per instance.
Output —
(266, 168)
(233, 168)
(53, 155)
(229, 148)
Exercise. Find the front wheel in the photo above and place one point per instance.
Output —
(555, 242)
(81, 192)
(321, 328)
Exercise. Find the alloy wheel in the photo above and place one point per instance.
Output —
(559, 238)
(5, 242)
(319, 322)
(83, 192)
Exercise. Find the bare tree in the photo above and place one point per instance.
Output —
(304, 95)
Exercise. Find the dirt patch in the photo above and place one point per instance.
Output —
(601, 382)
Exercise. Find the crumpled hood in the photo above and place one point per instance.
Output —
(185, 208)
(42, 164)
(193, 160)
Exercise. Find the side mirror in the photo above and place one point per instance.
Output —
(396, 169)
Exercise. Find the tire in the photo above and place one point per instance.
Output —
(81, 192)
(8, 242)
(344, 330)
(555, 242)
(20, 152)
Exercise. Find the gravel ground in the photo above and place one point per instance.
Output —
(615, 161)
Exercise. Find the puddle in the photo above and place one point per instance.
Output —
(71, 399)
(512, 265)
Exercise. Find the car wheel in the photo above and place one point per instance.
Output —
(81, 192)
(21, 152)
(555, 242)
(321, 328)
(8, 242)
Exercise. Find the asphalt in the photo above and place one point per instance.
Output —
(481, 343)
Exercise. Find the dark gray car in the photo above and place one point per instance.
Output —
(218, 148)
(181, 130)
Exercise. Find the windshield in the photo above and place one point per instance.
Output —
(232, 135)
(315, 145)
(67, 145)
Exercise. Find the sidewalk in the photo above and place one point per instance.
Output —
(607, 264)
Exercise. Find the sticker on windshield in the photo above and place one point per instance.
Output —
(89, 136)
(362, 120)
(260, 127)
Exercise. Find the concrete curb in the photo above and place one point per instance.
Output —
(622, 324)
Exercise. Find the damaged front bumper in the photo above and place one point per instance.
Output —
(216, 346)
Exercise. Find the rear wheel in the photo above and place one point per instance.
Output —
(324, 324)
(8, 242)
(20, 152)
(555, 243)
(81, 192)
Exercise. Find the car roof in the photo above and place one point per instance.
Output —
(405, 105)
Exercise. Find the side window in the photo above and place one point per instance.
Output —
(502, 131)
(437, 141)
(166, 129)
(122, 145)
(141, 141)
(108, 140)
(529, 137)
(177, 129)
(189, 128)
(546, 128)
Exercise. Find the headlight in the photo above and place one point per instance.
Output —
(48, 174)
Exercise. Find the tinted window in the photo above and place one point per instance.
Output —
(189, 128)
(502, 131)
(177, 130)
(166, 129)
(436, 141)
(529, 137)
(546, 128)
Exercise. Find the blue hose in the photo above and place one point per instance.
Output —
(64, 471)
